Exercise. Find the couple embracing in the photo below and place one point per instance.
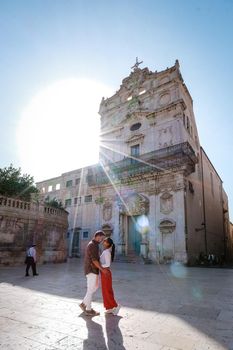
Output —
(93, 264)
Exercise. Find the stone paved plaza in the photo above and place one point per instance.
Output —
(163, 308)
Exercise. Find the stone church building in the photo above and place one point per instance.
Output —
(154, 190)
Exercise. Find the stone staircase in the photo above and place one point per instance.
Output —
(132, 258)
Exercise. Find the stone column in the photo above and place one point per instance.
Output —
(121, 242)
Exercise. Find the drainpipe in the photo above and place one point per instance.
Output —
(185, 221)
(203, 199)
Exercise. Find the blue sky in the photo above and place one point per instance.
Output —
(46, 41)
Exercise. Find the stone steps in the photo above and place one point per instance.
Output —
(129, 258)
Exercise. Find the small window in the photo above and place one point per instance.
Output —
(188, 124)
(85, 234)
(135, 126)
(134, 151)
(69, 183)
(77, 181)
(77, 200)
(58, 186)
(43, 189)
(184, 120)
(68, 202)
(50, 188)
(88, 199)
(191, 189)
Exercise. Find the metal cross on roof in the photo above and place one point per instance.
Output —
(135, 66)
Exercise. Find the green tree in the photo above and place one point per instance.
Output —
(15, 184)
(53, 203)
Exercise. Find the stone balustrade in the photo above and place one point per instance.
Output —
(19, 204)
(14, 203)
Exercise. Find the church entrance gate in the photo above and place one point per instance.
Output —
(134, 236)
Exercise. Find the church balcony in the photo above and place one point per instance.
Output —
(171, 157)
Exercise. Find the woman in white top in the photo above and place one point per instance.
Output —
(106, 258)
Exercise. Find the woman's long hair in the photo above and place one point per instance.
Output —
(111, 245)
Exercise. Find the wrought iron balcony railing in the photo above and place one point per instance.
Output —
(156, 161)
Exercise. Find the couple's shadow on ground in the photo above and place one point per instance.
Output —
(95, 338)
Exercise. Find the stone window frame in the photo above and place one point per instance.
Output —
(77, 200)
(69, 183)
(133, 160)
(85, 234)
(135, 147)
(88, 198)
(135, 126)
(68, 202)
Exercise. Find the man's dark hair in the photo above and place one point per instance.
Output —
(99, 233)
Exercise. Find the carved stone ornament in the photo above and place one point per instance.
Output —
(166, 203)
(167, 226)
(136, 138)
(164, 98)
(135, 204)
(107, 228)
(166, 137)
(134, 104)
(107, 211)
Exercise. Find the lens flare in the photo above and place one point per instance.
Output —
(59, 128)
(197, 293)
(178, 270)
(142, 224)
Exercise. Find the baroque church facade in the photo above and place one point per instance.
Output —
(154, 190)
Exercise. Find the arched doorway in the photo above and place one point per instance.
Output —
(132, 208)
(134, 235)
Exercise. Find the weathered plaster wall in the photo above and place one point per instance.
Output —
(22, 223)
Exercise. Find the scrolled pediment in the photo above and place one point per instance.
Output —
(167, 226)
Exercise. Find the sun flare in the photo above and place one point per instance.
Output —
(59, 129)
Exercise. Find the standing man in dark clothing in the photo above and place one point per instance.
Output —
(91, 268)
(31, 260)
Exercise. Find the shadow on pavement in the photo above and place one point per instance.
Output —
(113, 332)
(96, 339)
(201, 298)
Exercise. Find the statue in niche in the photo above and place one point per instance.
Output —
(166, 203)
(107, 211)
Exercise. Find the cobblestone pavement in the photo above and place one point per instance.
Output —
(163, 308)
